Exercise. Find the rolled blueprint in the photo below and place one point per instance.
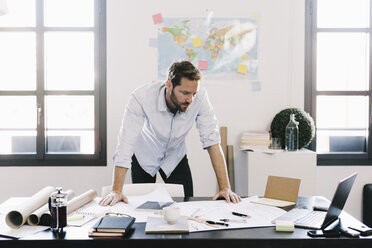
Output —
(19, 215)
(81, 200)
(34, 218)
(72, 205)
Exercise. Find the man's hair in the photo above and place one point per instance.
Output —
(182, 69)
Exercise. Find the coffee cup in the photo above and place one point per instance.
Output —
(172, 214)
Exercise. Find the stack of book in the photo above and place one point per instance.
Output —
(111, 226)
(255, 139)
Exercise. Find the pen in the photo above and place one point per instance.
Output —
(234, 220)
(241, 215)
(8, 237)
(217, 223)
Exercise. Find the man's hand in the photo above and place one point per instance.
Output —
(228, 195)
(112, 198)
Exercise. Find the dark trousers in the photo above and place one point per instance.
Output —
(180, 175)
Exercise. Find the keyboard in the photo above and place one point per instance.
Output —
(313, 219)
(304, 218)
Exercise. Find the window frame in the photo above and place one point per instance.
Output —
(311, 30)
(41, 158)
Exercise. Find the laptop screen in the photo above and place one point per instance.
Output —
(339, 200)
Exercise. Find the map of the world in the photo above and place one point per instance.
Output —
(221, 48)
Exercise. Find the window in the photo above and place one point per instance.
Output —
(338, 79)
(53, 83)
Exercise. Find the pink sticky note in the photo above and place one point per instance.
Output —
(157, 18)
(203, 64)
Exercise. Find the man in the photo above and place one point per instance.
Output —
(152, 136)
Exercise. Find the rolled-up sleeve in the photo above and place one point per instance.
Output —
(206, 123)
(131, 126)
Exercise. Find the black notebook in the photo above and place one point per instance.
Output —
(114, 224)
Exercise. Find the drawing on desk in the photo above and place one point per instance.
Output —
(261, 215)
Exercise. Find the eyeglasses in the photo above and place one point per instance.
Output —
(117, 215)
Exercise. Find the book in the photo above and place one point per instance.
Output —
(160, 225)
(154, 205)
(93, 233)
(113, 224)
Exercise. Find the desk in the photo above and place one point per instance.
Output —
(248, 238)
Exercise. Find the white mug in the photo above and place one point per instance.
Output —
(172, 214)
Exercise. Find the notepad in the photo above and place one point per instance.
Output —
(284, 226)
(280, 192)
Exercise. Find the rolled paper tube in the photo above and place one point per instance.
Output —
(81, 200)
(19, 215)
(34, 218)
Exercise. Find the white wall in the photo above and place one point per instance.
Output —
(131, 62)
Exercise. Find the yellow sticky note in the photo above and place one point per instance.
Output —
(242, 68)
(197, 42)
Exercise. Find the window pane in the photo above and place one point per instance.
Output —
(342, 61)
(341, 141)
(69, 112)
(18, 127)
(70, 124)
(18, 112)
(69, 60)
(17, 142)
(17, 61)
(343, 13)
(342, 112)
(78, 142)
(80, 13)
(21, 13)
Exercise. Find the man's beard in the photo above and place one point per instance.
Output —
(176, 103)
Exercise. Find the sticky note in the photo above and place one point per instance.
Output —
(157, 18)
(197, 42)
(256, 86)
(203, 64)
(153, 42)
(74, 218)
(284, 226)
(242, 68)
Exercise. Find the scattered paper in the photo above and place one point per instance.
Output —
(203, 64)
(242, 69)
(20, 232)
(157, 18)
(256, 86)
(260, 215)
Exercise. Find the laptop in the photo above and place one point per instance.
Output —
(313, 219)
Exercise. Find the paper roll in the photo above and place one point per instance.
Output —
(34, 218)
(72, 205)
(19, 215)
(81, 200)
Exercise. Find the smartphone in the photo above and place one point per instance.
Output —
(324, 233)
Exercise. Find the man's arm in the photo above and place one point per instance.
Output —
(219, 166)
(118, 181)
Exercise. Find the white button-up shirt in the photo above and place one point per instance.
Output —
(155, 135)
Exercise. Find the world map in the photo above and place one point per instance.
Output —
(221, 47)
